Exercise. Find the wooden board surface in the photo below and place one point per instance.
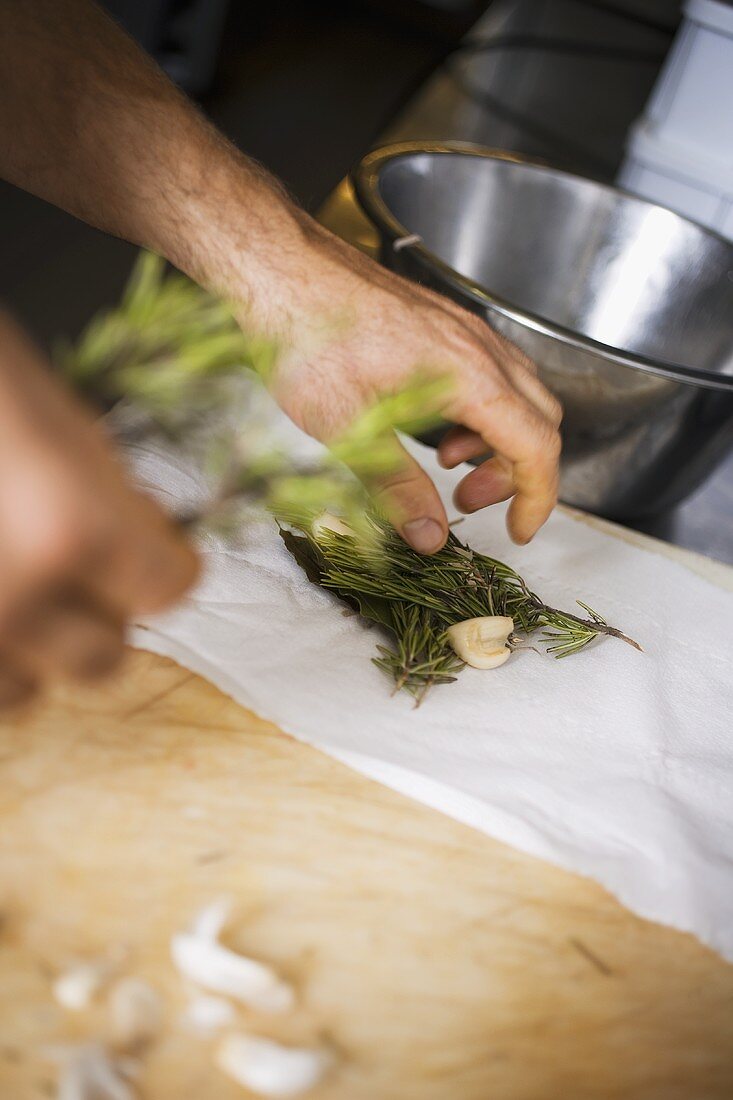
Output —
(442, 965)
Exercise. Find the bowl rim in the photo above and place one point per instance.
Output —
(365, 180)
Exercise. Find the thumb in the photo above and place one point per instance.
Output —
(410, 501)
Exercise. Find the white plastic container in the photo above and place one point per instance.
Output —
(680, 153)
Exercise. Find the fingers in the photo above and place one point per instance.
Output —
(71, 579)
(62, 635)
(112, 543)
(411, 502)
(459, 445)
(80, 550)
(495, 479)
(503, 407)
(65, 635)
(528, 444)
(143, 569)
(489, 483)
(535, 497)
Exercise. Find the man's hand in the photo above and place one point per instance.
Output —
(144, 164)
(351, 331)
(80, 550)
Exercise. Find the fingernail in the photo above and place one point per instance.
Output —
(424, 535)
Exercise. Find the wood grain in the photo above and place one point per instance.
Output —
(442, 965)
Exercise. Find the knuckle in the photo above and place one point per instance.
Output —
(466, 335)
(413, 493)
(505, 396)
(547, 448)
(406, 481)
(543, 446)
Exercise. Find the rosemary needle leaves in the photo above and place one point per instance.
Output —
(414, 599)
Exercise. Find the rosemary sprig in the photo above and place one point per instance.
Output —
(414, 599)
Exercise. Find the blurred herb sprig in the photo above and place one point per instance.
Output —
(415, 599)
(170, 351)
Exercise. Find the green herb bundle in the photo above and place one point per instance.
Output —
(414, 599)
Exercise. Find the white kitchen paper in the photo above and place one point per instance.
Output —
(612, 763)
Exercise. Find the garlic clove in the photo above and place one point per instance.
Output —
(327, 521)
(215, 967)
(136, 1013)
(205, 1015)
(482, 642)
(202, 959)
(77, 987)
(268, 1068)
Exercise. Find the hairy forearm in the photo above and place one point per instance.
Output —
(91, 124)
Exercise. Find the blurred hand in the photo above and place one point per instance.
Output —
(80, 550)
(354, 331)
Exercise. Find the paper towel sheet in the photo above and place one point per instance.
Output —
(612, 763)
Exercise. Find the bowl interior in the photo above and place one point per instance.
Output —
(580, 255)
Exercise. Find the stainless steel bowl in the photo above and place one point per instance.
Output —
(626, 307)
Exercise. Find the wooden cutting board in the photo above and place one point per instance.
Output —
(440, 964)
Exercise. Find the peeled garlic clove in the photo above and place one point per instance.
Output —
(482, 642)
(202, 959)
(77, 987)
(215, 967)
(136, 1012)
(268, 1068)
(206, 1015)
(327, 521)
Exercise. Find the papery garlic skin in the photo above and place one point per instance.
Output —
(202, 959)
(88, 1073)
(268, 1068)
(327, 521)
(482, 642)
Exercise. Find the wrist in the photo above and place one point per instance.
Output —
(235, 231)
(239, 234)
